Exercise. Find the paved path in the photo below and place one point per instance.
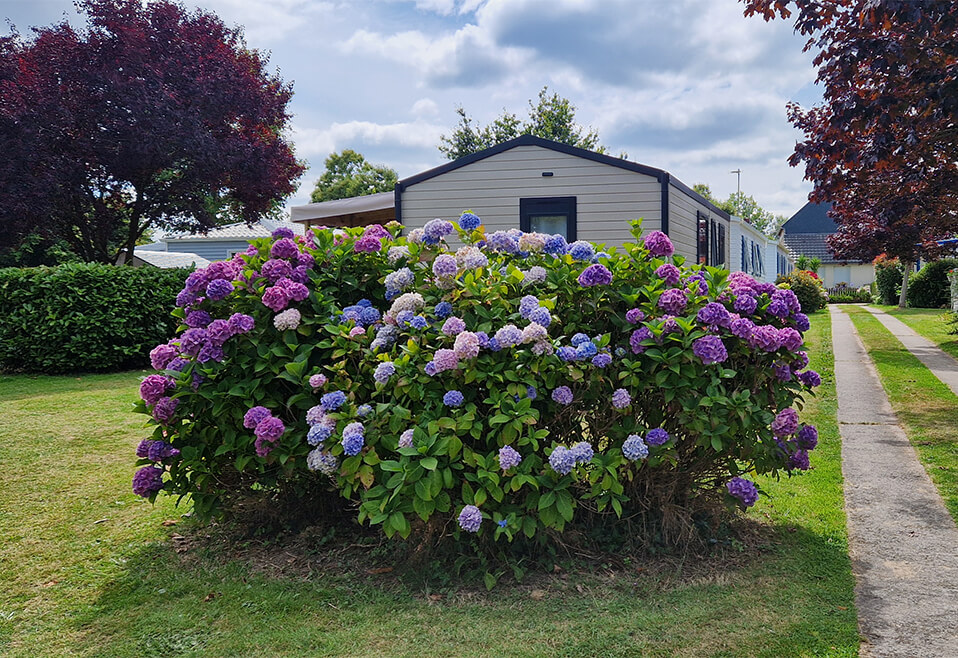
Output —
(903, 542)
(941, 364)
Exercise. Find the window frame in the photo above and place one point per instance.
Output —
(549, 205)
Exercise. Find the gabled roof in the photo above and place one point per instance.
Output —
(169, 259)
(812, 218)
(663, 176)
(237, 231)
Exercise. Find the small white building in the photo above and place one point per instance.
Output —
(765, 258)
(806, 234)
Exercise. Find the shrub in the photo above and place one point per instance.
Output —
(807, 287)
(84, 317)
(510, 388)
(929, 287)
(888, 280)
(846, 295)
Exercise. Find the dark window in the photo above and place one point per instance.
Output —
(744, 266)
(702, 251)
(720, 255)
(555, 214)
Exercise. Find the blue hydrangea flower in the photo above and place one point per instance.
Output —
(656, 437)
(634, 448)
(541, 316)
(562, 460)
(582, 452)
(384, 371)
(556, 245)
(586, 350)
(567, 353)
(527, 305)
(364, 410)
(469, 222)
(531, 392)
(582, 250)
(443, 309)
(601, 360)
(354, 437)
(332, 401)
(578, 339)
(502, 523)
(452, 399)
(418, 322)
(317, 434)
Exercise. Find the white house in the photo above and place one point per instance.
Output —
(765, 258)
(805, 234)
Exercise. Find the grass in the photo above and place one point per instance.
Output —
(926, 407)
(92, 571)
(930, 323)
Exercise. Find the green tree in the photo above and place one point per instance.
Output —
(552, 118)
(348, 174)
(745, 206)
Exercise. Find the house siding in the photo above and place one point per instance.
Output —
(209, 249)
(607, 197)
(683, 223)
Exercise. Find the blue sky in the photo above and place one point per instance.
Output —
(690, 86)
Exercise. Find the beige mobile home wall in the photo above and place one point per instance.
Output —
(683, 223)
(607, 197)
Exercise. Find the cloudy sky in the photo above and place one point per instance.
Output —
(689, 86)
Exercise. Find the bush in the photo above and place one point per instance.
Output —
(497, 391)
(846, 295)
(888, 280)
(929, 287)
(807, 287)
(84, 317)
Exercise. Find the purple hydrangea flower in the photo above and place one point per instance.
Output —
(274, 270)
(317, 381)
(435, 230)
(801, 322)
(621, 398)
(790, 339)
(710, 349)
(377, 231)
(275, 298)
(745, 303)
(368, 244)
(639, 335)
(444, 266)
(283, 232)
(764, 337)
(714, 314)
(154, 387)
(807, 437)
(502, 241)
(508, 336)
(197, 319)
(527, 305)
(785, 423)
(269, 429)
(452, 399)
(601, 360)
(161, 355)
(634, 448)
(744, 490)
(241, 323)
(673, 301)
(634, 316)
(453, 326)
(508, 458)
(668, 273)
(294, 290)
(582, 452)
(384, 371)
(219, 289)
(164, 409)
(657, 437)
(809, 378)
(658, 244)
(445, 360)
(147, 481)
(470, 518)
(595, 275)
(782, 372)
(562, 460)
(562, 395)
(405, 439)
(742, 327)
(333, 400)
(798, 460)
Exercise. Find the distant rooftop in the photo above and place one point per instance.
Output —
(238, 231)
(812, 218)
(168, 259)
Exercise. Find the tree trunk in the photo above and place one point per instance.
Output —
(906, 266)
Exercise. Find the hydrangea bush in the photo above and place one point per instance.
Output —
(509, 386)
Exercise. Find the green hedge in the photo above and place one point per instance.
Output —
(84, 316)
(929, 287)
(888, 280)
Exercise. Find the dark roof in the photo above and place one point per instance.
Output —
(812, 218)
(813, 245)
(531, 140)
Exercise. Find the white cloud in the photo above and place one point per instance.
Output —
(425, 107)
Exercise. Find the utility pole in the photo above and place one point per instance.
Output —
(738, 184)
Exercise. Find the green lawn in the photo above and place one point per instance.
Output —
(91, 570)
(926, 407)
(930, 323)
